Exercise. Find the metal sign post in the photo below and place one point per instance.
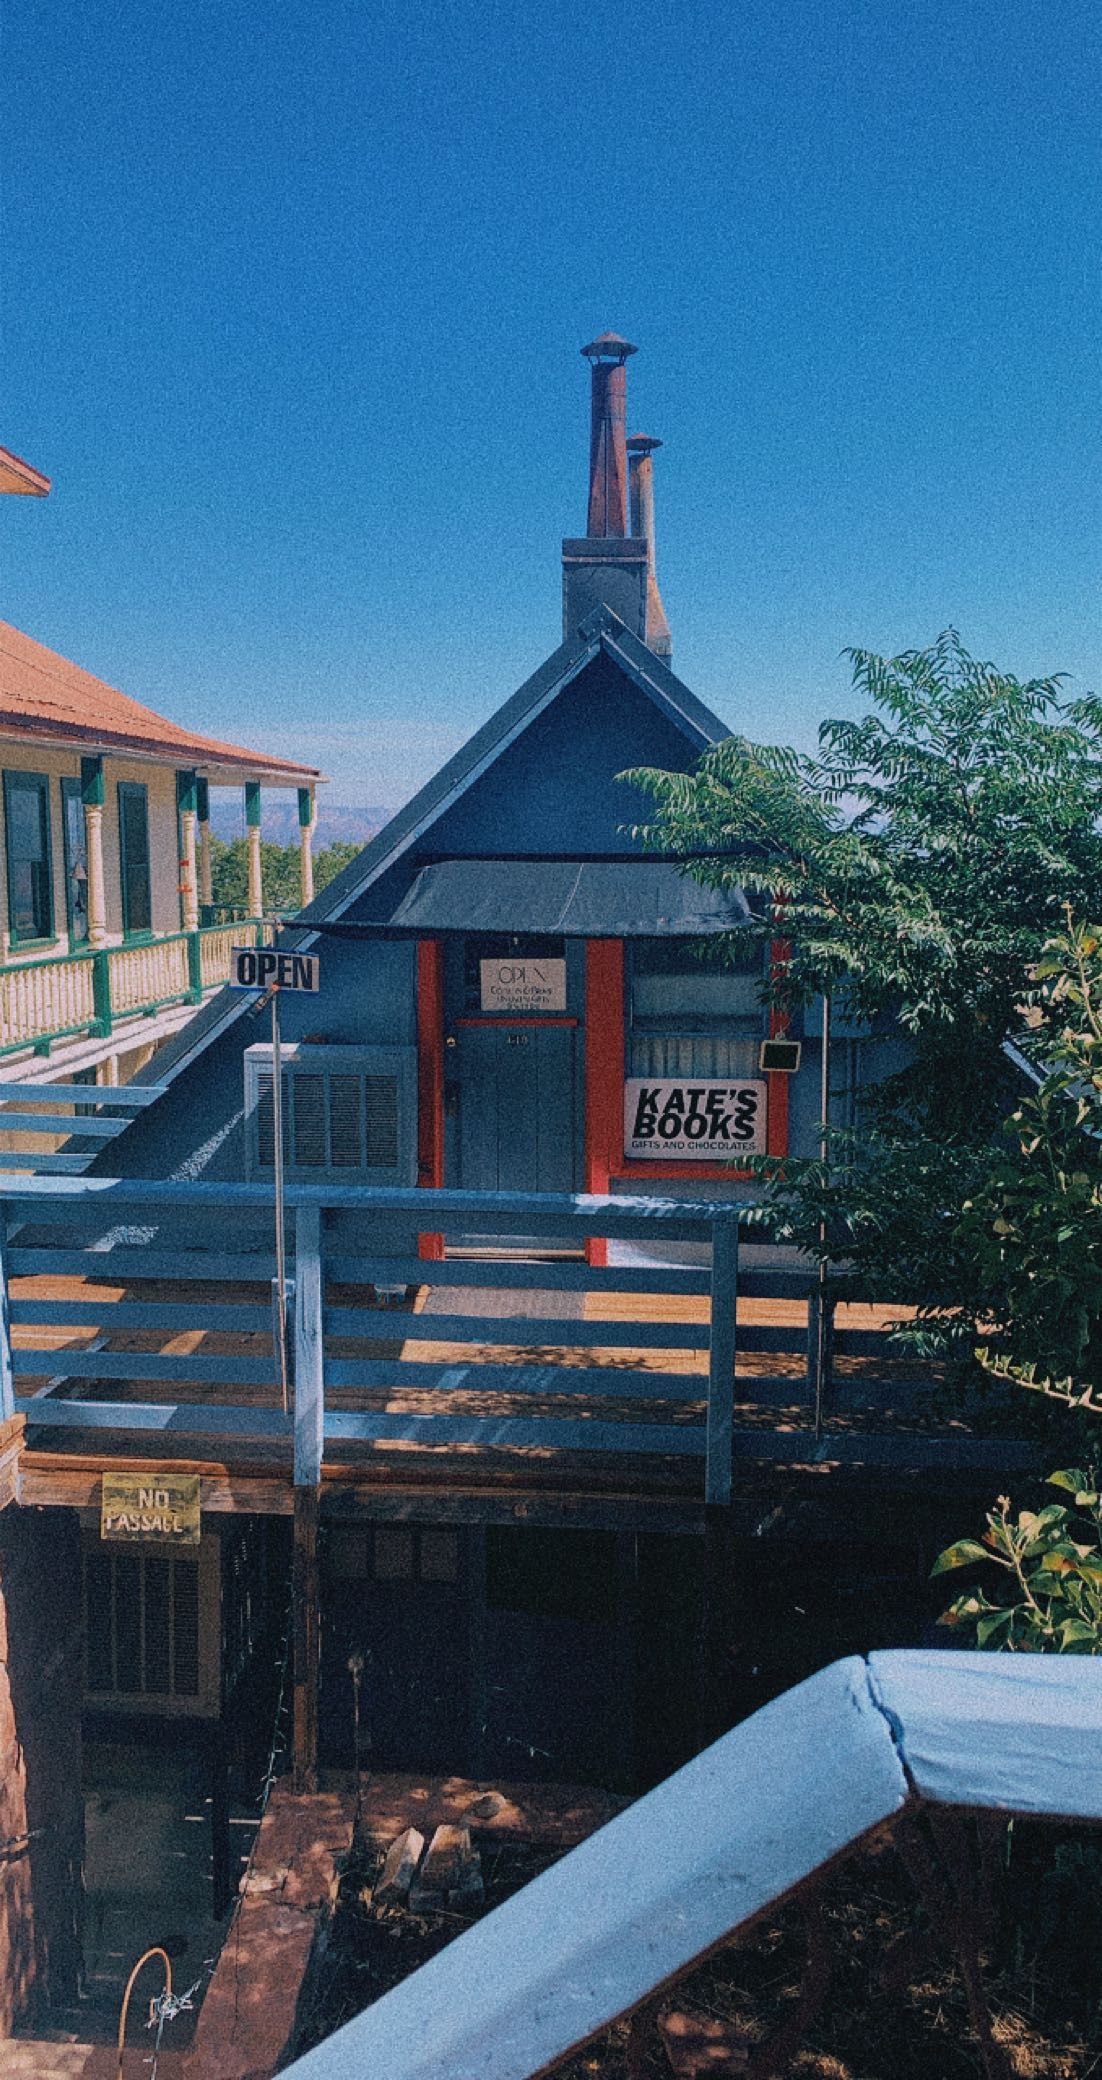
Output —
(822, 1325)
(263, 968)
(280, 1237)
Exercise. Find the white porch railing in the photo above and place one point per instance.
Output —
(38, 997)
(864, 1744)
(86, 992)
(146, 976)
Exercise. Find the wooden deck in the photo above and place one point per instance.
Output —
(876, 1394)
(497, 1388)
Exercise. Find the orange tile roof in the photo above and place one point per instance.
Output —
(45, 698)
(19, 476)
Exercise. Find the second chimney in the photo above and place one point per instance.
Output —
(641, 448)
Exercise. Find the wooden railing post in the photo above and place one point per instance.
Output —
(195, 967)
(721, 1359)
(309, 1363)
(309, 1436)
(7, 1377)
(101, 993)
(820, 1348)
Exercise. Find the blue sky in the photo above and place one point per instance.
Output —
(292, 303)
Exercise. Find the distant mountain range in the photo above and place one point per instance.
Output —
(280, 826)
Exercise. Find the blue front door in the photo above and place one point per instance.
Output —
(515, 1099)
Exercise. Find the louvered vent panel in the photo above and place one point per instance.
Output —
(99, 1621)
(185, 1628)
(141, 1625)
(128, 1624)
(349, 1112)
(157, 1628)
(308, 1100)
(346, 1122)
(381, 1108)
(265, 1123)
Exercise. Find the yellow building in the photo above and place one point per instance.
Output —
(108, 937)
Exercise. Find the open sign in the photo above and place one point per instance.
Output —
(261, 968)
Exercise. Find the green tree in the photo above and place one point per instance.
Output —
(279, 866)
(917, 865)
(1032, 1227)
(918, 862)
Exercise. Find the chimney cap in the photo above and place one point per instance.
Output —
(609, 347)
(642, 444)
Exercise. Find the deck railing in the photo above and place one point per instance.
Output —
(43, 1001)
(596, 1379)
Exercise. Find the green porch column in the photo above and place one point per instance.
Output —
(202, 800)
(252, 826)
(92, 792)
(306, 820)
(187, 808)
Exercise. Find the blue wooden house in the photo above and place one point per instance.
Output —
(514, 996)
(519, 1009)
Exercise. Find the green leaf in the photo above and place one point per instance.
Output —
(959, 1555)
(993, 1627)
(1071, 1478)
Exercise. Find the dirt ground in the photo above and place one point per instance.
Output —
(896, 2008)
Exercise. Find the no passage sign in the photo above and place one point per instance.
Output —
(707, 1119)
(261, 967)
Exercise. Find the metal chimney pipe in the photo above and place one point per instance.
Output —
(640, 449)
(608, 465)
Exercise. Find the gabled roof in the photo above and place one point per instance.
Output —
(21, 477)
(601, 631)
(46, 699)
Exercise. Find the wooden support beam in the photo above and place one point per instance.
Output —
(309, 1348)
(7, 1369)
(11, 1454)
(477, 1694)
(715, 1592)
(721, 1361)
(306, 1639)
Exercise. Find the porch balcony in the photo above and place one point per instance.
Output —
(46, 1006)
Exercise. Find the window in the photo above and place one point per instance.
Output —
(392, 1553)
(695, 1009)
(348, 1114)
(30, 876)
(137, 899)
(502, 946)
(76, 862)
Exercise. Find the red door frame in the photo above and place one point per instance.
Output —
(604, 1081)
(605, 1063)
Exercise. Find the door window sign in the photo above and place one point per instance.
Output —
(522, 985)
(707, 1119)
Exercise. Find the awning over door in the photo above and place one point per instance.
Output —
(592, 899)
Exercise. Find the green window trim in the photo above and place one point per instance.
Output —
(135, 871)
(30, 876)
(75, 849)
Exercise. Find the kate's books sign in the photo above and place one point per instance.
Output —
(707, 1120)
